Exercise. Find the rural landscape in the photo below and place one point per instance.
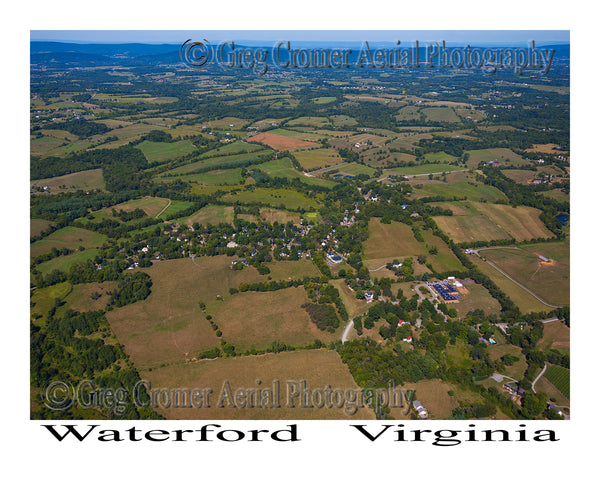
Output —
(237, 234)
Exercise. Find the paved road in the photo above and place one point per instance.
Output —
(538, 377)
(347, 331)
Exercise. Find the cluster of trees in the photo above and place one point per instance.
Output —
(81, 128)
(323, 315)
(62, 350)
(131, 288)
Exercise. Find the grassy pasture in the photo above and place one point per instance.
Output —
(444, 260)
(63, 262)
(520, 297)
(215, 161)
(387, 242)
(290, 199)
(556, 335)
(324, 100)
(163, 152)
(233, 148)
(80, 296)
(342, 121)
(311, 121)
(502, 155)
(174, 207)
(282, 167)
(229, 176)
(468, 190)
(318, 158)
(478, 297)
(424, 169)
(407, 114)
(440, 114)
(213, 214)
(487, 221)
(70, 237)
(318, 367)
(43, 299)
(517, 369)
(37, 226)
(256, 319)
(169, 326)
(548, 281)
(271, 215)
(85, 180)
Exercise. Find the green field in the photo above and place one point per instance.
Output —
(311, 121)
(233, 148)
(69, 237)
(467, 190)
(229, 176)
(282, 167)
(213, 214)
(174, 207)
(317, 158)
(440, 114)
(560, 377)
(276, 197)
(63, 262)
(424, 169)
(215, 162)
(162, 152)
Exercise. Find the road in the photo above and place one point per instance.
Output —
(538, 377)
(160, 213)
(347, 331)
(491, 264)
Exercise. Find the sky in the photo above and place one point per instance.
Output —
(250, 36)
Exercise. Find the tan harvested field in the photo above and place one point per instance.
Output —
(486, 221)
(524, 300)
(523, 177)
(37, 226)
(433, 395)
(549, 280)
(150, 205)
(279, 142)
(257, 319)
(545, 148)
(319, 368)
(271, 215)
(556, 335)
(354, 306)
(478, 297)
(86, 180)
(80, 297)
(387, 242)
(169, 327)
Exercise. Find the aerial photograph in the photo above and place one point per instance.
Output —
(299, 225)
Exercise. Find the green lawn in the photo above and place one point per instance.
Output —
(63, 262)
(163, 152)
